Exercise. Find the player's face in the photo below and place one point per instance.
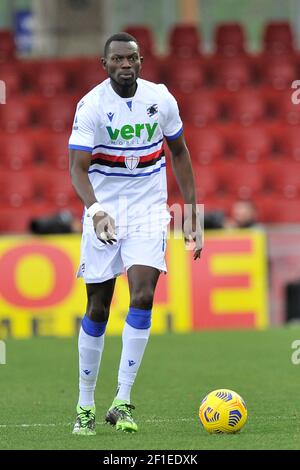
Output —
(123, 62)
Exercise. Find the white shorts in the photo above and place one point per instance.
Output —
(135, 245)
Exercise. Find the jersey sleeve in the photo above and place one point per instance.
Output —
(83, 130)
(173, 125)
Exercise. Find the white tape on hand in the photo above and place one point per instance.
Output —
(94, 208)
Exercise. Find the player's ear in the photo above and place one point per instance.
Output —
(141, 59)
(103, 62)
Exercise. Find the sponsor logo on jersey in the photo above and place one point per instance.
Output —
(128, 131)
(110, 116)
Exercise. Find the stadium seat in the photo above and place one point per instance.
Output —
(11, 74)
(53, 149)
(245, 181)
(288, 111)
(278, 38)
(201, 108)
(230, 39)
(231, 74)
(206, 145)
(185, 75)
(94, 74)
(207, 181)
(279, 73)
(15, 115)
(17, 152)
(151, 70)
(289, 143)
(17, 188)
(284, 179)
(58, 113)
(144, 36)
(56, 188)
(14, 221)
(50, 79)
(7, 46)
(184, 41)
(251, 144)
(246, 107)
(77, 208)
(284, 211)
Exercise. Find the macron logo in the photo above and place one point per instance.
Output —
(87, 372)
(110, 116)
(131, 363)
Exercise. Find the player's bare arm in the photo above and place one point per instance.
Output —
(104, 225)
(182, 168)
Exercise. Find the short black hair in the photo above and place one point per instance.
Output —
(124, 37)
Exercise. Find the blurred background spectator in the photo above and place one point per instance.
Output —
(243, 215)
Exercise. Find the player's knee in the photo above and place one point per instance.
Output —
(97, 311)
(142, 299)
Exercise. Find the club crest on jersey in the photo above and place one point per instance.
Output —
(132, 162)
(153, 109)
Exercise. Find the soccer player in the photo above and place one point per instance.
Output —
(118, 170)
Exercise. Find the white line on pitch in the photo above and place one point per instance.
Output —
(53, 425)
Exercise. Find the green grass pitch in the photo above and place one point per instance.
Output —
(39, 392)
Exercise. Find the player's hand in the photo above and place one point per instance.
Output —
(193, 234)
(105, 228)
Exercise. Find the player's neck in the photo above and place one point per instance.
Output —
(124, 92)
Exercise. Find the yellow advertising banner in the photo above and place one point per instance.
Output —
(39, 292)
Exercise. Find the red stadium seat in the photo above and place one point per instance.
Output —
(246, 107)
(17, 188)
(184, 41)
(244, 180)
(230, 39)
(14, 221)
(11, 74)
(221, 202)
(144, 37)
(185, 75)
(53, 150)
(150, 70)
(232, 74)
(56, 188)
(17, 152)
(284, 179)
(7, 46)
(284, 212)
(58, 113)
(279, 73)
(94, 74)
(201, 108)
(207, 181)
(15, 115)
(251, 144)
(205, 145)
(50, 79)
(289, 143)
(278, 37)
(287, 109)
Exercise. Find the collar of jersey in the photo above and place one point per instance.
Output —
(112, 91)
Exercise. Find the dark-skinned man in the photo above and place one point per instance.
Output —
(118, 169)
